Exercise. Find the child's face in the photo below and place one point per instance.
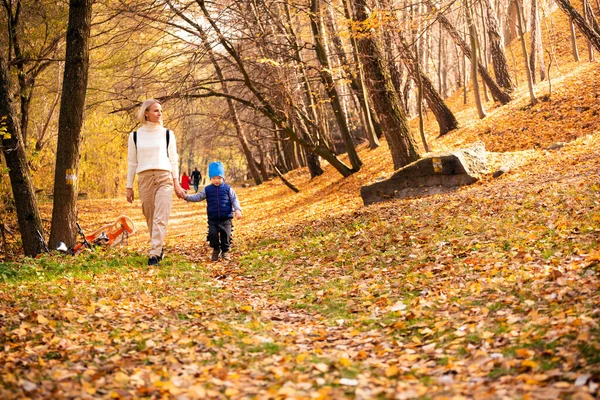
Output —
(216, 180)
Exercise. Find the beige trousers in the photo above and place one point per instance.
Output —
(156, 193)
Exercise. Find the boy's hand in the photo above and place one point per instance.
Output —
(237, 214)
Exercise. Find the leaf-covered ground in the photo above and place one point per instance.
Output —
(491, 291)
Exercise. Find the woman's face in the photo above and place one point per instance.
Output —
(154, 113)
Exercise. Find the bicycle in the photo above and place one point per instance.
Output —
(108, 235)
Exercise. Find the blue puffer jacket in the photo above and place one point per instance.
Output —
(219, 205)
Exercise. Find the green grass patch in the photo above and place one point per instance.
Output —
(269, 348)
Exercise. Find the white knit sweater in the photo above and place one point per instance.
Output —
(151, 152)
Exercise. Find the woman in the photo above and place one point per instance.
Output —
(152, 155)
(185, 181)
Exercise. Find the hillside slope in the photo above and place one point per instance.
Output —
(515, 135)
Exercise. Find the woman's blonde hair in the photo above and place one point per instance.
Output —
(141, 116)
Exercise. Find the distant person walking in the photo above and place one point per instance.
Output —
(196, 178)
(185, 181)
(222, 205)
(152, 155)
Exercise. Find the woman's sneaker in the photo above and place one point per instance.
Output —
(215, 255)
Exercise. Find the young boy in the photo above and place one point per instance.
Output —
(221, 206)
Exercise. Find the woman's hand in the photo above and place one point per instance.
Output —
(179, 190)
(129, 195)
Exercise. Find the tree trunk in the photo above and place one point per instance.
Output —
(329, 84)
(402, 142)
(70, 120)
(574, 49)
(314, 165)
(532, 96)
(588, 31)
(28, 216)
(291, 155)
(443, 59)
(499, 61)
(483, 48)
(263, 162)
(537, 52)
(420, 103)
(510, 28)
(474, 62)
(373, 125)
(280, 175)
(443, 115)
(278, 140)
(464, 79)
(588, 14)
(497, 93)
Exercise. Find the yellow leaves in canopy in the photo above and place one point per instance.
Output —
(3, 129)
(269, 61)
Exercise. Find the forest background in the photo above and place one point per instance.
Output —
(325, 298)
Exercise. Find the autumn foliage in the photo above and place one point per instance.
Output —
(491, 291)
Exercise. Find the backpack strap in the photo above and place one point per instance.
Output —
(168, 138)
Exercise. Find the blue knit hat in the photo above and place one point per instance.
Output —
(216, 169)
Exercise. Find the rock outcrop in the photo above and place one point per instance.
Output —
(434, 174)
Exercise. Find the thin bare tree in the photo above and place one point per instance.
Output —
(536, 47)
(474, 62)
(520, 24)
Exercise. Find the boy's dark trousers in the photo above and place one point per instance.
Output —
(219, 234)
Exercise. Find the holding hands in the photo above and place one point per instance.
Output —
(237, 214)
(181, 193)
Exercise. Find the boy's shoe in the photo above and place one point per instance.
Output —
(225, 256)
(153, 260)
(215, 255)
